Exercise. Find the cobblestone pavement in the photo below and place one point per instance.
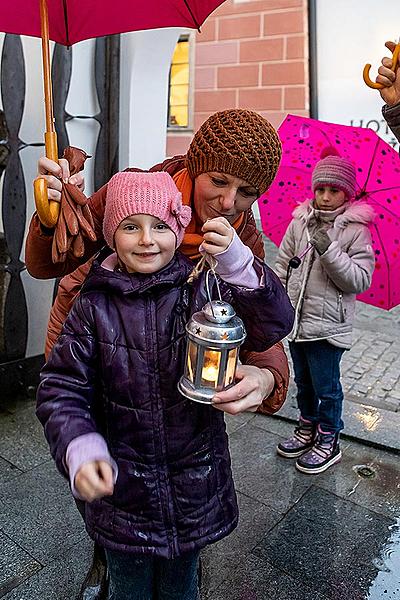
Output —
(370, 370)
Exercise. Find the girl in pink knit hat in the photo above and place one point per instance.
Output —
(151, 466)
(323, 288)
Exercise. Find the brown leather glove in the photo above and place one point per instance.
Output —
(75, 219)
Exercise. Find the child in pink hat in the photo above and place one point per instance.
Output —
(323, 288)
(151, 466)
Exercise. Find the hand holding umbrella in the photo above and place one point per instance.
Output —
(389, 77)
(387, 73)
(321, 241)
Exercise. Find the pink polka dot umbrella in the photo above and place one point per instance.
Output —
(378, 181)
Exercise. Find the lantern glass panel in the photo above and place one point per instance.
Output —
(231, 367)
(210, 370)
(191, 361)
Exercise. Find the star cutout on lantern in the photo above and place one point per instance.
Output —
(225, 336)
(224, 311)
(198, 331)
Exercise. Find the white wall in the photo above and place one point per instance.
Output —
(351, 33)
(145, 61)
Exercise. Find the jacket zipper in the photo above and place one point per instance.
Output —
(340, 307)
(306, 268)
(168, 516)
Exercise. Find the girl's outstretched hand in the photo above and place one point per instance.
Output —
(218, 234)
(94, 480)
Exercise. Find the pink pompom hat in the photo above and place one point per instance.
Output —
(130, 193)
(335, 171)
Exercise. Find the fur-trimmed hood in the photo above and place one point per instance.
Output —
(350, 212)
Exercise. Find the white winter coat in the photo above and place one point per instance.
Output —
(323, 288)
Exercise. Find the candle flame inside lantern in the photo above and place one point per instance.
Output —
(210, 373)
(210, 368)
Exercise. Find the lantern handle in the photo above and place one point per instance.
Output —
(211, 270)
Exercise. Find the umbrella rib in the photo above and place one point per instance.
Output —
(285, 167)
(192, 15)
(65, 7)
(277, 225)
(326, 136)
(375, 201)
(386, 261)
(394, 187)
(370, 165)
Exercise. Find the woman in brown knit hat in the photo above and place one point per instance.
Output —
(231, 161)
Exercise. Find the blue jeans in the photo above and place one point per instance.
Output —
(317, 376)
(134, 577)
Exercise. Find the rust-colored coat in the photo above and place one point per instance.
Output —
(73, 273)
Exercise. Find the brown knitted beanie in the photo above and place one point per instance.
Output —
(237, 142)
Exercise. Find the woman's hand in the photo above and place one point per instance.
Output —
(390, 79)
(253, 386)
(218, 234)
(54, 173)
(94, 480)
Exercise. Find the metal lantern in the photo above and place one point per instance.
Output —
(214, 336)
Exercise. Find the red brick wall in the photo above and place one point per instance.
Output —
(250, 55)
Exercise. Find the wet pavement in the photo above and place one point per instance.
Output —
(329, 536)
(325, 537)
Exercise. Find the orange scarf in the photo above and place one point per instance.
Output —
(193, 234)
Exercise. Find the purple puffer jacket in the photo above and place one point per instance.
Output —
(115, 370)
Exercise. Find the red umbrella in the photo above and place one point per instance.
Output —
(71, 21)
(378, 183)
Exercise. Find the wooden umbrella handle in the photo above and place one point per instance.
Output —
(378, 86)
(47, 210)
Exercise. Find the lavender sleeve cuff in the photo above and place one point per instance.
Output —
(235, 265)
(84, 449)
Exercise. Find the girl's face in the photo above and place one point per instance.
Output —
(329, 198)
(144, 244)
(221, 195)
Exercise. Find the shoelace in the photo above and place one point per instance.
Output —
(303, 434)
(323, 446)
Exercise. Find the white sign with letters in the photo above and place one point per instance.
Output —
(351, 33)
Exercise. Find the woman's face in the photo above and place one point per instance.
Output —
(221, 195)
(144, 244)
(328, 198)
